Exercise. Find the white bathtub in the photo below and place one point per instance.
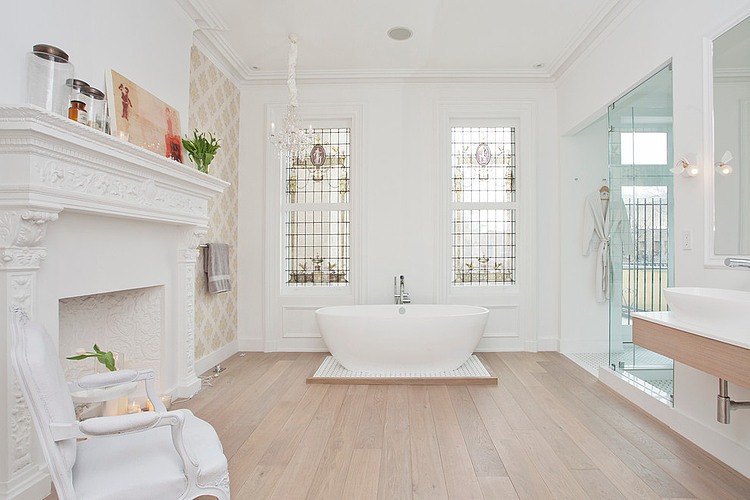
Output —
(411, 337)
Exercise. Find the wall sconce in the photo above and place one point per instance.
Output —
(684, 167)
(723, 166)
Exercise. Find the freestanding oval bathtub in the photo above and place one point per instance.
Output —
(411, 337)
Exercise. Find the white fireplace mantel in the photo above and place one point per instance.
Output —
(60, 164)
(51, 166)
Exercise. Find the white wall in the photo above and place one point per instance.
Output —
(653, 33)
(399, 197)
(583, 169)
(146, 41)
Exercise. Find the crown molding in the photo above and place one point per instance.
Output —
(400, 76)
(608, 16)
(204, 16)
(225, 60)
(210, 37)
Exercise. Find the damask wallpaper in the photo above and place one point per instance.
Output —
(215, 108)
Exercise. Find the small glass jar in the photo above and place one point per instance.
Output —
(47, 70)
(75, 90)
(96, 106)
(77, 112)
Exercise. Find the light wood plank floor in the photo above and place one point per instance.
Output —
(547, 430)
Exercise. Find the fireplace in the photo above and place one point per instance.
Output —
(90, 223)
(128, 322)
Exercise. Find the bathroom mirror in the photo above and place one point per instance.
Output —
(731, 157)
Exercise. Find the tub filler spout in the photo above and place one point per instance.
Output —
(400, 295)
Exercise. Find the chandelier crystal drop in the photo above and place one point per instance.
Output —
(292, 139)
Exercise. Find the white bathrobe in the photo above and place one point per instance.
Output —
(597, 229)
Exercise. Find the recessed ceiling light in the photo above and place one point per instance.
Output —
(399, 33)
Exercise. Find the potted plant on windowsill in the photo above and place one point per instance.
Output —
(201, 150)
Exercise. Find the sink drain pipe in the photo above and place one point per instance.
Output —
(724, 404)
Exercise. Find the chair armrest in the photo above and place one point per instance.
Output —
(118, 377)
(131, 423)
(118, 424)
(105, 379)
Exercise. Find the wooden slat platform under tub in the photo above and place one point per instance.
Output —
(473, 372)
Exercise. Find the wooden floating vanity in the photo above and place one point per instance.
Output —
(660, 333)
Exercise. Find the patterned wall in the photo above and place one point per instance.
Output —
(215, 108)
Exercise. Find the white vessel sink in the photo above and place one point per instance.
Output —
(718, 313)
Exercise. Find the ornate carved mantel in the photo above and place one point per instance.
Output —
(50, 165)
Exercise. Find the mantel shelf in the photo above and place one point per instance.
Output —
(53, 163)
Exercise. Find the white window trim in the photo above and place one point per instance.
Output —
(279, 297)
(521, 294)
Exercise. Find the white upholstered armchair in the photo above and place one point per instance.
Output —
(156, 455)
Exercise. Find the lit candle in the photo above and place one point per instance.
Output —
(134, 407)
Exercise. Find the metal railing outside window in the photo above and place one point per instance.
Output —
(645, 259)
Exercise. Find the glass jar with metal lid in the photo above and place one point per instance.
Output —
(75, 89)
(96, 105)
(47, 70)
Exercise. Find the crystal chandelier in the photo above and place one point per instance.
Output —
(292, 139)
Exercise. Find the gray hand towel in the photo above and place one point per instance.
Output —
(216, 266)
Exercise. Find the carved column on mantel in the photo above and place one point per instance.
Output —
(187, 383)
(22, 234)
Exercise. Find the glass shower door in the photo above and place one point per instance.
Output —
(641, 249)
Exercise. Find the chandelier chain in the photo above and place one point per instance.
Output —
(292, 139)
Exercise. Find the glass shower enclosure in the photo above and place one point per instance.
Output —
(640, 210)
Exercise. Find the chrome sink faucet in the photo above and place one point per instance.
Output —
(399, 291)
(736, 262)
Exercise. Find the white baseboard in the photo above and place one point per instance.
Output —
(500, 344)
(724, 449)
(307, 344)
(548, 344)
(269, 346)
(207, 362)
(573, 346)
(31, 484)
(250, 345)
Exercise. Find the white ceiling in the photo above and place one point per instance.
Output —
(499, 38)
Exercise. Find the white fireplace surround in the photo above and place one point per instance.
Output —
(85, 213)
(129, 322)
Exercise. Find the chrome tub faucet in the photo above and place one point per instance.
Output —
(399, 291)
(736, 262)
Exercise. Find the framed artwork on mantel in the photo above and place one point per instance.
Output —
(139, 117)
